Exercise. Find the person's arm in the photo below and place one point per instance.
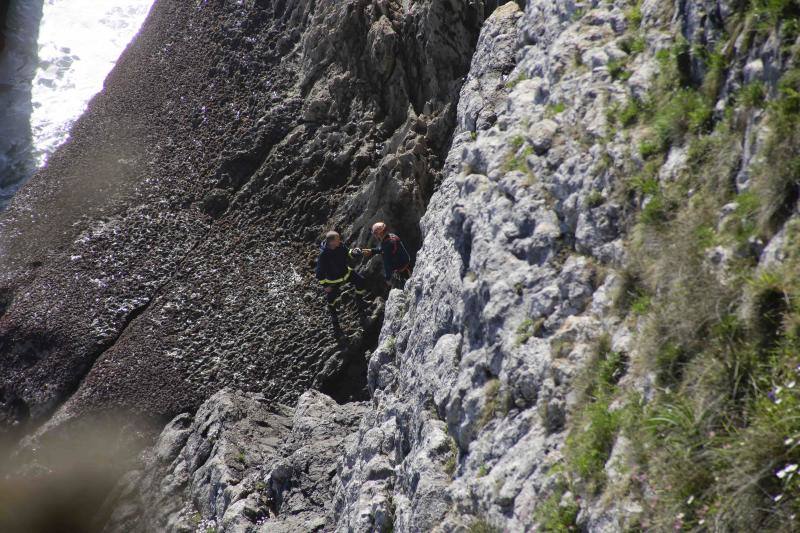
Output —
(369, 252)
(319, 272)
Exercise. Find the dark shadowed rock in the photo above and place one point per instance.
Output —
(167, 249)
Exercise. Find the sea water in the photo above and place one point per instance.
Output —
(79, 43)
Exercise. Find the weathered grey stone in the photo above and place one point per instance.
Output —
(240, 464)
(464, 380)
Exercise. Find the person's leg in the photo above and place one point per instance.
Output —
(400, 277)
(333, 297)
(360, 286)
(359, 283)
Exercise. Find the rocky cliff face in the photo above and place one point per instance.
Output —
(512, 377)
(167, 250)
(601, 328)
(239, 464)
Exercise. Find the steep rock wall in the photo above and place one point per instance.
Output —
(508, 367)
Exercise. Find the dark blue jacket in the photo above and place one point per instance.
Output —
(332, 265)
(395, 256)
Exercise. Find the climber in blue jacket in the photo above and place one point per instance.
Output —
(333, 269)
(396, 260)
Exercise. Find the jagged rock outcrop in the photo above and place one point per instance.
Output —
(241, 463)
(476, 383)
(167, 249)
(468, 401)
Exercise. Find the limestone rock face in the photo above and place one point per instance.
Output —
(240, 464)
(473, 382)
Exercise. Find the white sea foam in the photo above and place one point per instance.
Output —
(79, 43)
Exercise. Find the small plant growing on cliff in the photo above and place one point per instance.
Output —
(634, 15)
(596, 426)
(589, 444)
(777, 181)
(496, 402)
(452, 458)
(633, 44)
(524, 332)
(595, 199)
(513, 83)
(555, 109)
(753, 95)
(555, 516)
(479, 525)
(618, 71)
(391, 344)
(629, 114)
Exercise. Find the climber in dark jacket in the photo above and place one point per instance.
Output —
(333, 269)
(396, 260)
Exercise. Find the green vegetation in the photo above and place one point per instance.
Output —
(772, 12)
(555, 109)
(452, 458)
(712, 443)
(528, 328)
(596, 425)
(480, 525)
(633, 44)
(513, 83)
(629, 114)
(496, 402)
(595, 199)
(553, 517)
(752, 95)
(777, 181)
(634, 15)
(717, 445)
(617, 68)
(517, 161)
(391, 344)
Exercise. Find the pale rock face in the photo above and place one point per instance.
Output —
(469, 401)
(240, 464)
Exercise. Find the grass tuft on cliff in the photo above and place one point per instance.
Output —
(714, 444)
